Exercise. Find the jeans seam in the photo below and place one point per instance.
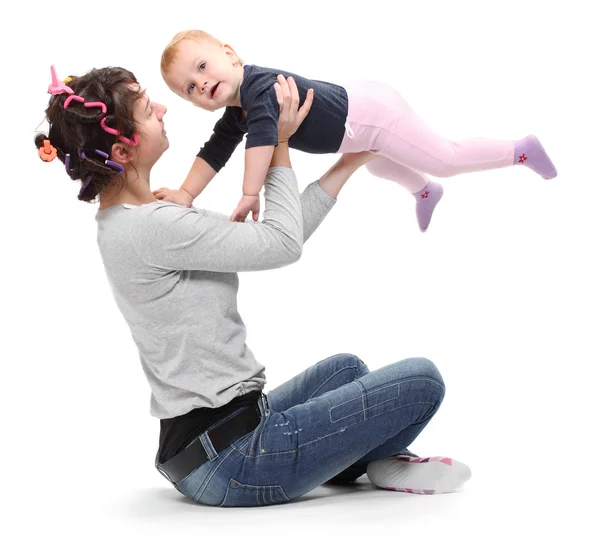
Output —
(258, 446)
(362, 395)
(364, 410)
(402, 381)
(357, 423)
(243, 445)
(332, 376)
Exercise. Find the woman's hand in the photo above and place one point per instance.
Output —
(290, 116)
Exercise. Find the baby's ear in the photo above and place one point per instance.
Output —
(121, 153)
(231, 52)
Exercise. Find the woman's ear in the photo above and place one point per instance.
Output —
(121, 153)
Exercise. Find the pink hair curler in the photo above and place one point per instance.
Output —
(96, 105)
(110, 130)
(58, 87)
(77, 98)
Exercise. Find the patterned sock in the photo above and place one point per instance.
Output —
(529, 152)
(434, 475)
(427, 199)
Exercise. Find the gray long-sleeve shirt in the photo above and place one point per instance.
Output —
(173, 272)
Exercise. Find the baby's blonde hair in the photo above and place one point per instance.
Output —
(168, 57)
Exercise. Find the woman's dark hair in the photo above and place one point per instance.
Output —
(77, 129)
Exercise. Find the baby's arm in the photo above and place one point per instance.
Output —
(257, 162)
(195, 182)
(198, 177)
(211, 158)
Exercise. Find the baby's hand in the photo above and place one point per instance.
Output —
(178, 196)
(248, 203)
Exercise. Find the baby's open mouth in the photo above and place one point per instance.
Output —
(213, 90)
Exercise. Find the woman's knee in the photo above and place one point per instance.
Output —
(346, 360)
(428, 368)
(423, 367)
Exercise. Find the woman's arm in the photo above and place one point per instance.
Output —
(172, 237)
(319, 197)
(281, 155)
(175, 238)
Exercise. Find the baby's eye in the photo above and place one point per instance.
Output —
(190, 88)
(201, 66)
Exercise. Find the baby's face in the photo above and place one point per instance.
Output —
(206, 74)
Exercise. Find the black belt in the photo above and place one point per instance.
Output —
(221, 436)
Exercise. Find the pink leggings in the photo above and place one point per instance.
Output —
(380, 120)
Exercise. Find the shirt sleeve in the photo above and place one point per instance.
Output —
(316, 204)
(221, 145)
(262, 117)
(173, 237)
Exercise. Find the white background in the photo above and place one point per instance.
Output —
(501, 292)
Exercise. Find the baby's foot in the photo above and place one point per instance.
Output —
(529, 152)
(427, 199)
(434, 475)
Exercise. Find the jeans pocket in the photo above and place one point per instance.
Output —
(205, 476)
(245, 495)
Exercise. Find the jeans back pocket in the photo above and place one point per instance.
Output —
(246, 495)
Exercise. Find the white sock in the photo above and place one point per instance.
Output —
(434, 475)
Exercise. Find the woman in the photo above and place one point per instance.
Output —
(173, 272)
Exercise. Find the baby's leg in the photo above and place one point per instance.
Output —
(426, 192)
(406, 139)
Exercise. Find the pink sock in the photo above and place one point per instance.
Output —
(529, 152)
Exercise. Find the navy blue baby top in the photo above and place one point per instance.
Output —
(321, 132)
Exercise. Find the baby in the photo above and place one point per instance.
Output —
(360, 116)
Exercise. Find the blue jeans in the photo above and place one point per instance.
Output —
(329, 421)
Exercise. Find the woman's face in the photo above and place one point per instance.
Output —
(153, 141)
